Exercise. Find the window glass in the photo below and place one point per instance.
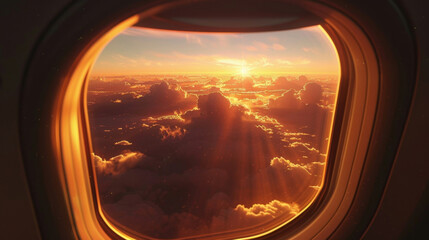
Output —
(206, 133)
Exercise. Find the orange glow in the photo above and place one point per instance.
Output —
(257, 98)
(246, 99)
(161, 51)
(194, 155)
(244, 71)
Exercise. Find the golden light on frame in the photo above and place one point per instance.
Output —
(70, 130)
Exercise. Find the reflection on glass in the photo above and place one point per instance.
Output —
(195, 133)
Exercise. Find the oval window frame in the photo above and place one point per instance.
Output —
(355, 41)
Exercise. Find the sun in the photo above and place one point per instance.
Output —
(244, 71)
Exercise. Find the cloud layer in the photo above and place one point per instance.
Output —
(206, 162)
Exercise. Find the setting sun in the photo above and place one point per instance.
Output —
(244, 71)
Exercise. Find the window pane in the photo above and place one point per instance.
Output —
(204, 133)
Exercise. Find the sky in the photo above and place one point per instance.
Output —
(140, 51)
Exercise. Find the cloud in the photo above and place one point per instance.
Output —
(172, 132)
(311, 93)
(131, 62)
(251, 62)
(280, 163)
(242, 216)
(132, 211)
(100, 84)
(213, 105)
(162, 99)
(118, 164)
(123, 143)
(287, 100)
(286, 83)
(157, 33)
(261, 46)
(312, 169)
(301, 109)
(312, 51)
(133, 31)
(146, 217)
(283, 179)
(293, 62)
(215, 167)
(216, 203)
(299, 146)
(277, 46)
(231, 61)
(201, 39)
(272, 209)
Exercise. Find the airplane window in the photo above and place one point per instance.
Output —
(198, 134)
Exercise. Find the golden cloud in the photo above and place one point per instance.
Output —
(123, 143)
(118, 164)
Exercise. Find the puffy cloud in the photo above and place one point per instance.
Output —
(287, 100)
(162, 99)
(300, 110)
(285, 83)
(118, 164)
(311, 93)
(303, 79)
(284, 180)
(272, 209)
(247, 83)
(280, 163)
(309, 169)
(123, 143)
(313, 168)
(242, 216)
(213, 105)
